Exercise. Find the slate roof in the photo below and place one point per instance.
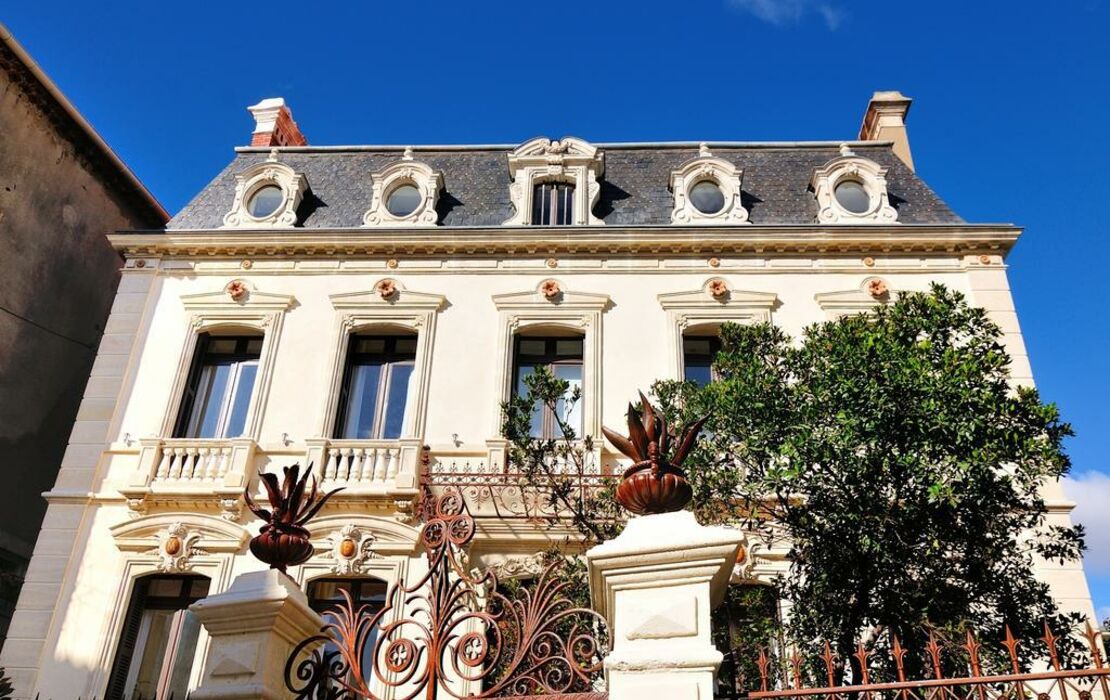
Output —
(634, 190)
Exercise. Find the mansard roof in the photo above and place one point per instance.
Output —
(634, 188)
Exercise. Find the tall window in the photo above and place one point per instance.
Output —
(553, 204)
(698, 354)
(325, 594)
(563, 356)
(376, 387)
(159, 639)
(217, 397)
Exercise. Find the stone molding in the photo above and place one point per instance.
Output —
(851, 167)
(579, 313)
(700, 309)
(405, 172)
(854, 301)
(369, 309)
(569, 160)
(717, 170)
(207, 311)
(253, 178)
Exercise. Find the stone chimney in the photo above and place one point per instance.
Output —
(274, 125)
(886, 121)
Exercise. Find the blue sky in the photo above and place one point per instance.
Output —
(1011, 119)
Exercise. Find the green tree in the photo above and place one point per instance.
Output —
(892, 454)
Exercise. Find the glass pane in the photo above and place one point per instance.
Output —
(707, 197)
(539, 205)
(150, 650)
(566, 205)
(699, 372)
(222, 346)
(362, 400)
(522, 371)
(528, 346)
(242, 399)
(571, 413)
(205, 421)
(198, 587)
(399, 376)
(165, 587)
(254, 346)
(695, 346)
(266, 201)
(571, 347)
(403, 200)
(406, 346)
(852, 196)
(370, 346)
(183, 656)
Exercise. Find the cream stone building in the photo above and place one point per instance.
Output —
(367, 309)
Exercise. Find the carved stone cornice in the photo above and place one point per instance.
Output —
(539, 241)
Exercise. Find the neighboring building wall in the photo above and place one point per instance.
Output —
(58, 275)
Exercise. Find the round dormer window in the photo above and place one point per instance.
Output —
(265, 201)
(403, 200)
(707, 197)
(853, 196)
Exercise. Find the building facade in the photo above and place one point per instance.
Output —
(62, 190)
(366, 310)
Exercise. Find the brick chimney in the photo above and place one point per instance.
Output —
(274, 125)
(886, 121)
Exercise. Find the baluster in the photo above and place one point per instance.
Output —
(356, 464)
(212, 464)
(164, 463)
(393, 465)
(175, 465)
(197, 465)
(344, 467)
(381, 463)
(329, 467)
(370, 457)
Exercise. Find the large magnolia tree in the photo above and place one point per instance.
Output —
(891, 453)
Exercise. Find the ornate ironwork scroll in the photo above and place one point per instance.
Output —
(451, 632)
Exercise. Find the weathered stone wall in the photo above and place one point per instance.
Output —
(58, 276)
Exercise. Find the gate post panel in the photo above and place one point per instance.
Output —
(656, 585)
(253, 627)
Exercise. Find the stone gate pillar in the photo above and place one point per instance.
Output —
(656, 585)
(253, 627)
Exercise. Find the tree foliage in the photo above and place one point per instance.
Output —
(888, 450)
(892, 454)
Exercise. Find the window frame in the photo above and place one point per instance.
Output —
(702, 360)
(187, 415)
(381, 401)
(122, 675)
(556, 215)
(551, 359)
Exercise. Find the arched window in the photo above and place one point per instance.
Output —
(220, 385)
(158, 644)
(375, 386)
(553, 204)
(563, 357)
(699, 351)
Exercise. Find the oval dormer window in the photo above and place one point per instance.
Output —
(403, 200)
(265, 201)
(852, 196)
(707, 197)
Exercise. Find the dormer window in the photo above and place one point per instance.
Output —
(553, 204)
(555, 183)
(851, 189)
(267, 195)
(707, 191)
(405, 194)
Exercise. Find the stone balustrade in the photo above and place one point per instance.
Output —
(366, 465)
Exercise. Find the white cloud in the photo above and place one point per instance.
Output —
(1091, 493)
(786, 12)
